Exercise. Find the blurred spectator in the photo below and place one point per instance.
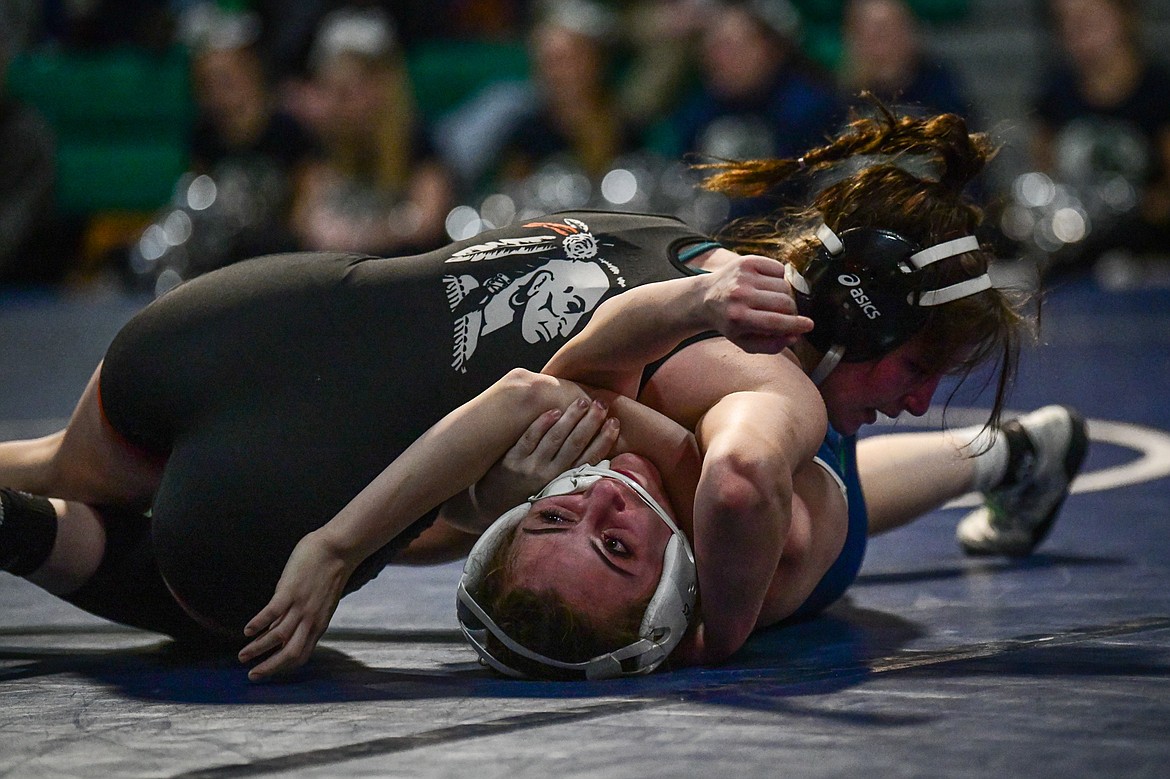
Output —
(248, 161)
(573, 116)
(564, 112)
(662, 38)
(884, 54)
(760, 96)
(290, 28)
(239, 134)
(31, 249)
(1104, 133)
(383, 188)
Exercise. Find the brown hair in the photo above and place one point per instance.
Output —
(382, 151)
(906, 174)
(544, 623)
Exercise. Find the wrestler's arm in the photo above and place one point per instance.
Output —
(756, 416)
(757, 420)
(746, 299)
(551, 445)
(446, 459)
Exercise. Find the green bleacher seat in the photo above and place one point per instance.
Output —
(445, 73)
(121, 118)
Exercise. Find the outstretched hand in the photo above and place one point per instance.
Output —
(288, 628)
(751, 304)
(556, 441)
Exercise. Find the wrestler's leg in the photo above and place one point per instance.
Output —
(77, 550)
(905, 475)
(100, 560)
(1024, 469)
(87, 461)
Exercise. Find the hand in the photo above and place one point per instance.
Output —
(555, 442)
(294, 620)
(750, 303)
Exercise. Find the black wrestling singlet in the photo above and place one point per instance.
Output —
(277, 388)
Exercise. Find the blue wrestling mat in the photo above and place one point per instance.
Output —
(934, 665)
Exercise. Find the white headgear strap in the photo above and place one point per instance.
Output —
(936, 297)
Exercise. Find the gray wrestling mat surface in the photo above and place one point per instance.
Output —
(935, 665)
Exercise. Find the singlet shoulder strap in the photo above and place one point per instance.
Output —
(649, 371)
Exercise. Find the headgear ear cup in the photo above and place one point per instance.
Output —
(669, 611)
(865, 291)
(858, 296)
(484, 551)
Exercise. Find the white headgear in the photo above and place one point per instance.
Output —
(664, 622)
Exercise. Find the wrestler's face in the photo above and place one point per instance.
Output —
(1091, 30)
(739, 58)
(600, 550)
(855, 392)
(557, 296)
(881, 32)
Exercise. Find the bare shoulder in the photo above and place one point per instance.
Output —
(696, 377)
(820, 522)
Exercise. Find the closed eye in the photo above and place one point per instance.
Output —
(552, 517)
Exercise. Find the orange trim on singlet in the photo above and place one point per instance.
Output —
(205, 622)
(136, 450)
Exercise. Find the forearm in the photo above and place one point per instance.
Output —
(752, 444)
(744, 298)
(742, 518)
(445, 460)
(562, 439)
(630, 331)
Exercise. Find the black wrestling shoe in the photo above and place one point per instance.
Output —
(1047, 448)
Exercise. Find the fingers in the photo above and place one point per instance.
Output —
(289, 645)
(261, 646)
(572, 433)
(265, 618)
(294, 652)
(601, 444)
(591, 422)
(535, 433)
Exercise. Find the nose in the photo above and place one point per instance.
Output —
(917, 401)
(606, 493)
(606, 503)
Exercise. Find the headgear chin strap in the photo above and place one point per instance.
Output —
(664, 622)
(866, 294)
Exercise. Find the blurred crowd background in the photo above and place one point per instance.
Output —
(149, 141)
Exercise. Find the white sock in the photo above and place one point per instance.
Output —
(989, 455)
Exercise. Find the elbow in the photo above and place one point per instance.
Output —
(745, 486)
(526, 388)
(529, 393)
(706, 647)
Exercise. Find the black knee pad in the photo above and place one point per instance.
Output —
(28, 530)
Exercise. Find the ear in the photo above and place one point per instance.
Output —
(529, 290)
(539, 279)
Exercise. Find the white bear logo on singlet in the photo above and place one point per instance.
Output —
(546, 298)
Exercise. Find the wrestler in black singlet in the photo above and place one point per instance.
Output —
(279, 387)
